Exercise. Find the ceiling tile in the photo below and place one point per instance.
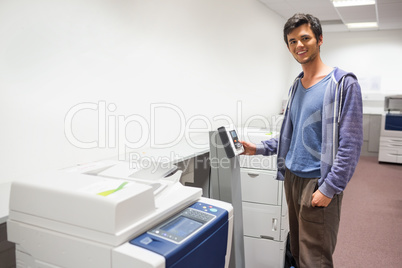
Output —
(389, 12)
(324, 10)
(388, 1)
(358, 14)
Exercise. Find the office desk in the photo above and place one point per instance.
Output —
(178, 152)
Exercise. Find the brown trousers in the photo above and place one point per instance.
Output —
(313, 230)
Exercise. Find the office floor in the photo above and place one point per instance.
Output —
(370, 233)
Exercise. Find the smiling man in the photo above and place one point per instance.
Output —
(319, 144)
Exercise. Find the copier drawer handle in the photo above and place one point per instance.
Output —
(251, 174)
(274, 224)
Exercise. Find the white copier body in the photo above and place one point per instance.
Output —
(85, 218)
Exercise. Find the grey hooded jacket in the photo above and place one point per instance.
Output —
(342, 133)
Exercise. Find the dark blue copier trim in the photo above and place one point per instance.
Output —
(393, 122)
(205, 247)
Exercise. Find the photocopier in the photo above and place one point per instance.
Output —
(104, 215)
(390, 149)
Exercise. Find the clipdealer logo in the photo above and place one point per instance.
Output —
(112, 127)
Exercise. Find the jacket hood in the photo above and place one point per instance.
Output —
(337, 75)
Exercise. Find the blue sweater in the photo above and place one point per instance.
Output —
(342, 133)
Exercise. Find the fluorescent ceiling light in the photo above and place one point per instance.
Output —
(361, 25)
(351, 3)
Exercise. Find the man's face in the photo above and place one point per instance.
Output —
(303, 45)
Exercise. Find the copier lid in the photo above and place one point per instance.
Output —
(393, 103)
(100, 204)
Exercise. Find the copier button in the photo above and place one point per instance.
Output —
(146, 240)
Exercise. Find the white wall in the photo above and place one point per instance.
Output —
(113, 60)
(374, 56)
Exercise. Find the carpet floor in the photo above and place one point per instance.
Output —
(370, 232)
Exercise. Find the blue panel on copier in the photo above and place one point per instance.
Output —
(393, 122)
(196, 237)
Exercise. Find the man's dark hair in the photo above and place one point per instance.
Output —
(299, 19)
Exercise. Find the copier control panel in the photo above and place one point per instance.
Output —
(201, 227)
(230, 141)
(184, 224)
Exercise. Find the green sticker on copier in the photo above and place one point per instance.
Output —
(108, 192)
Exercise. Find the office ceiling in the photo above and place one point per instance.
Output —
(387, 13)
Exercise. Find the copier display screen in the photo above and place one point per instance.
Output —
(181, 226)
(185, 224)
